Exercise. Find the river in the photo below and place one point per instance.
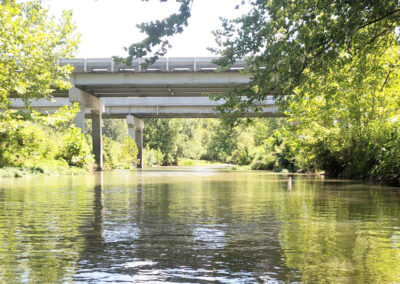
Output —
(197, 225)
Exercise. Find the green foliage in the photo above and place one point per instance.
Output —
(222, 142)
(157, 32)
(152, 157)
(115, 129)
(22, 140)
(163, 135)
(333, 66)
(290, 39)
(286, 39)
(263, 161)
(74, 149)
(31, 43)
(61, 120)
(189, 139)
(347, 124)
(31, 141)
(173, 140)
(119, 154)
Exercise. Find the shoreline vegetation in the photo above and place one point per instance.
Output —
(35, 144)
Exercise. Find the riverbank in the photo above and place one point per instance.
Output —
(7, 172)
(60, 169)
(197, 163)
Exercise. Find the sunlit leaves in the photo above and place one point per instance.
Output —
(285, 38)
(31, 43)
(343, 121)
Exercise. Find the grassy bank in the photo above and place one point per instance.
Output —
(7, 172)
(198, 163)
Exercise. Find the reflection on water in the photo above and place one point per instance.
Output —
(197, 226)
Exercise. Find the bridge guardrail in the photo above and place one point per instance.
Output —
(164, 64)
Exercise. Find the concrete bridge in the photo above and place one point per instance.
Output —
(170, 88)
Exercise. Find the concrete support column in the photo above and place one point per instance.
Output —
(130, 121)
(97, 139)
(135, 130)
(139, 143)
(95, 105)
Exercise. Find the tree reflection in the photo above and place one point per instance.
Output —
(341, 232)
(39, 229)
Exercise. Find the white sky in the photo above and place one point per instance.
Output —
(106, 26)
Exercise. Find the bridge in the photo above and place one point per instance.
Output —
(169, 88)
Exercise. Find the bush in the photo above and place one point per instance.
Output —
(20, 140)
(119, 154)
(242, 156)
(263, 161)
(74, 150)
(32, 143)
(152, 157)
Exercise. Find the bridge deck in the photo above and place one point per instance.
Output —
(168, 77)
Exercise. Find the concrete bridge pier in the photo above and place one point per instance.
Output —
(135, 130)
(97, 138)
(96, 106)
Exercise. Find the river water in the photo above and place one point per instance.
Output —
(197, 225)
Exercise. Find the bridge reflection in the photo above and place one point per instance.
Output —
(147, 227)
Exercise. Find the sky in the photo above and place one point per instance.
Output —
(106, 26)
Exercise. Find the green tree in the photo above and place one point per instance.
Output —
(291, 39)
(163, 134)
(157, 33)
(119, 153)
(31, 43)
(286, 39)
(346, 121)
(116, 129)
(42, 143)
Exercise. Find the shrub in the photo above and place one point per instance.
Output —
(119, 154)
(152, 157)
(74, 150)
(263, 161)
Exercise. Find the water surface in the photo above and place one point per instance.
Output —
(197, 225)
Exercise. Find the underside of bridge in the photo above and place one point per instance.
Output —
(170, 88)
(135, 109)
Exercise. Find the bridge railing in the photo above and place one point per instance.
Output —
(173, 64)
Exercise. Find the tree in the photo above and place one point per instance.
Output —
(31, 44)
(284, 39)
(157, 33)
(162, 134)
(346, 121)
(291, 39)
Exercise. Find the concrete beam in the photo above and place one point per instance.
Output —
(170, 101)
(200, 107)
(86, 100)
(181, 112)
(187, 80)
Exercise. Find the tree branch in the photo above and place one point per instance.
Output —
(380, 18)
